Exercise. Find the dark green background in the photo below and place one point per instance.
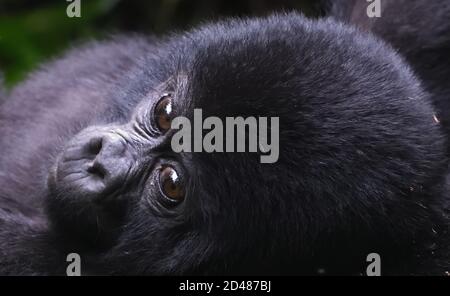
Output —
(32, 31)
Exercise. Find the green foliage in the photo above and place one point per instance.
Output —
(32, 32)
(28, 37)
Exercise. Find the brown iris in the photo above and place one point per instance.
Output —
(163, 112)
(171, 184)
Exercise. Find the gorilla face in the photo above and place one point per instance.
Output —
(105, 170)
(356, 134)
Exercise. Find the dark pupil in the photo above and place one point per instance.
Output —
(171, 184)
(163, 113)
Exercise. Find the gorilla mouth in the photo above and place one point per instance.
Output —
(84, 189)
(97, 222)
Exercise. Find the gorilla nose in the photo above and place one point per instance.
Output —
(109, 152)
(96, 162)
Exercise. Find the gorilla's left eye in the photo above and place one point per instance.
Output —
(171, 185)
(164, 112)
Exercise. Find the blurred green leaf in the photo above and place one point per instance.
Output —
(33, 31)
(30, 37)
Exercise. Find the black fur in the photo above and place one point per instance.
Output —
(362, 163)
(419, 30)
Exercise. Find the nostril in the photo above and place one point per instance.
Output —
(95, 145)
(97, 170)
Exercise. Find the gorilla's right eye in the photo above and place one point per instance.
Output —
(164, 113)
(171, 184)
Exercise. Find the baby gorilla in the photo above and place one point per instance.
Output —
(87, 164)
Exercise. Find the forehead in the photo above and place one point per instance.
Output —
(222, 86)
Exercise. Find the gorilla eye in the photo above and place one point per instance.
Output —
(171, 185)
(163, 112)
